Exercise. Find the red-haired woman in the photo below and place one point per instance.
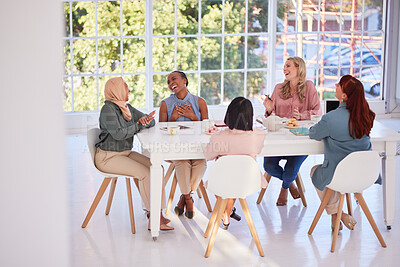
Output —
(344, 130)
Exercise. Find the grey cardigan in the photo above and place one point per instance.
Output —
(117, 133)
(333, 129)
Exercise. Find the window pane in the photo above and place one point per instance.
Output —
(187, 55)
(256, 87)
(326, 82)
(85, 93)
(258, 16)
(331, 19)
(233, 86)
(351, 16)
(83, 19)
(137, 85)
(372, 49)
(234, 52)
(133, 22)
(67, 57)
(134, 55)
(257, 57)
(310, 48)
(163, 17)
(286, 16)
(311, 74)
(285, 47)
(373, 13)
(371, 79)
(160, 89)
(235, 14)
(108, 18)
(109, 55)
(163, 54)
(308, 16)
(211, 88)
(210, 53)
(67, 21)
(188, 16)
(84, 56)
(193, 83)
(329, 46)
(211, 16)
(67, 93)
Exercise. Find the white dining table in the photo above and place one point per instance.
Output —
(159, 145)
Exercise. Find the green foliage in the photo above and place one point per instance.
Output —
(122, 49)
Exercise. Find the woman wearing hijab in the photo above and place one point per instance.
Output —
(119, 122)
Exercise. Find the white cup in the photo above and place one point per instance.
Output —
(206, 124)
(173, 130)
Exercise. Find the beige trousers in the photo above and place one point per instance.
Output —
(128, 163)
(333, 202)
(189, 173)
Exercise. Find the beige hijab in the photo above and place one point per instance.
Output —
(115, 92)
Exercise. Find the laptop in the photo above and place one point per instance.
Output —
(331, 104)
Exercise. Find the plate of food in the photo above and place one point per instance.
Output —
(292, 124)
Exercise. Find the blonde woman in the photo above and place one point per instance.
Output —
(294, 98)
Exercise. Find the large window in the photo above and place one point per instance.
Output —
(227, 48)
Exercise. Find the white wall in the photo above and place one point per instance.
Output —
(33, 186)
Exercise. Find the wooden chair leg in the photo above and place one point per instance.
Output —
(171, 195)
(96, 200)
(111, 194)
(337, 222)
(221, 210)
(320, 210)
(129, 191)
(169, 172)
(199, 192)
(371, 220)
(205, 195)
(262, 192)
(213, 217)
(250, 222)
(300, 185)
(349, 206)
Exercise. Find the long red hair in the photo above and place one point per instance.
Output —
(361, 116)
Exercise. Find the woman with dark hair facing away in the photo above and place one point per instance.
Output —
(183, 106)
(238, 139)
(119, 122)
(343, 130)
(294, 98)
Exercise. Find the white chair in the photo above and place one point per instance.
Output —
(201, 191)
(236, 176)
(355, 173)
(92, 139)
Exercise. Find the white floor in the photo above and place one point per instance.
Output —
(107, 240)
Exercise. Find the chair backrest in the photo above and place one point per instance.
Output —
(92, 139)
(236, 176)
(356, 172)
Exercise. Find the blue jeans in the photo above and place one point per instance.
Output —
(289, 173)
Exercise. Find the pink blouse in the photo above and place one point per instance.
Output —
(309, 106)
(236, 142)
